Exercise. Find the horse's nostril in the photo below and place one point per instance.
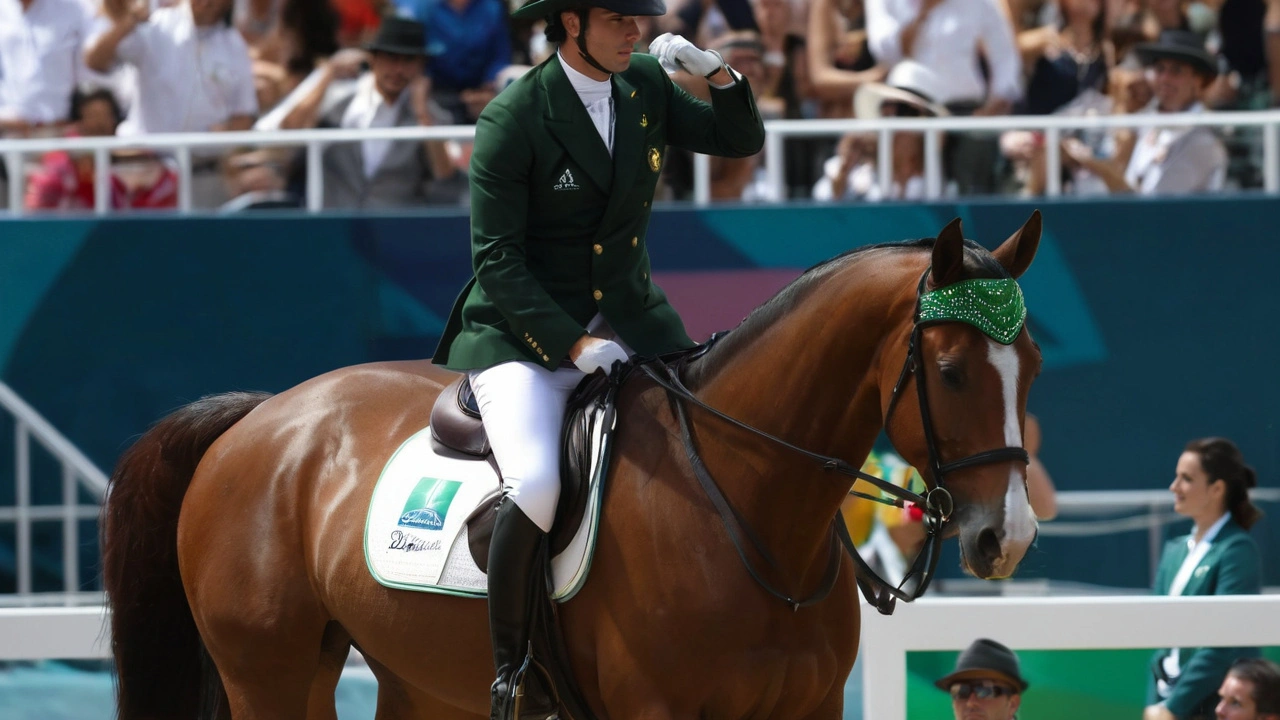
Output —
(989, 544)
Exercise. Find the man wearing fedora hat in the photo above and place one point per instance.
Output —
(987, 683)
(563, 172)
(392, 93)
(1169, 160)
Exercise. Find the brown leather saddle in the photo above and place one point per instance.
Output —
(455, 424)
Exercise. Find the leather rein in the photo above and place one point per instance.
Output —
(936, 503)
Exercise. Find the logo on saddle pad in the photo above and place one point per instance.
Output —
(428, 504)
(566, 181)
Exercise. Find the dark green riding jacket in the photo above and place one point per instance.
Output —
(558, 227)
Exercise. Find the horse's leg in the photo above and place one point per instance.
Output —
(398, 700)
(334, 648)
(832, 708)
(273, 671)
(270, 638)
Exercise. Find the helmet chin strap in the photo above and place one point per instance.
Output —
(582, 44)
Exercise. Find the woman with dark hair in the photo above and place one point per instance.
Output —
(1066, 57)
(1211, 487)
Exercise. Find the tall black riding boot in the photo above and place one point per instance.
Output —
(512, 577)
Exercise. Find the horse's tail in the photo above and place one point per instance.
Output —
(162, 667)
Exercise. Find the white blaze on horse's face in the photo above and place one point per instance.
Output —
(1019, 520)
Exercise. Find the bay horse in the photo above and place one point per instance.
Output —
(232, 530)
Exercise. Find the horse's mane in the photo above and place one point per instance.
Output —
(978, 263)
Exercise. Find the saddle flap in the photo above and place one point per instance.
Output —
(455, 420)
(480, 528)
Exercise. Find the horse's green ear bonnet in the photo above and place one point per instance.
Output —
(994, 306)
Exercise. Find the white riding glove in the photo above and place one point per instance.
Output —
(673, 51)
(600, 356)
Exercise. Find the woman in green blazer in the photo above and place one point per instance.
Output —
(1211, 486)
(563, 173)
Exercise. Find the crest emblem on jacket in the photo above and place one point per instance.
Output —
(566, 181)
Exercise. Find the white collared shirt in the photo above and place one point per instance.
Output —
(597, 97)
(369, 109)
(41, 58)
(947, 43)
(189, 79)
(1195, 553)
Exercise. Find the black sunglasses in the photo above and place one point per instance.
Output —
(984, 690)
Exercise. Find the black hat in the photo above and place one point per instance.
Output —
(981, 660)
(1182, 45)
(399, 36)
(545, 8)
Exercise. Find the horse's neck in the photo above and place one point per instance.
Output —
(811, 378)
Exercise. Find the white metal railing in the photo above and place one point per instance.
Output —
(1149, 510)
(314, 141)
(1052, 623)
(77, 472)
(928, 624)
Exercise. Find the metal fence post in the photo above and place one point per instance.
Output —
(1271, 157)
(101, 181)
(13, 161)
(1053, 161)
(932, 165)
(701, 179)
(315, 176)
(184, 178)
(884, 162)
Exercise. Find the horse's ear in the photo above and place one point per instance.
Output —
(1017, 252)
(948, 255)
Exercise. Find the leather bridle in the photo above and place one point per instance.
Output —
(936, 502)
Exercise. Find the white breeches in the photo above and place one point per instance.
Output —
(523, 406)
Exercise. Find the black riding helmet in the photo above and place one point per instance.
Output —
(551, 9)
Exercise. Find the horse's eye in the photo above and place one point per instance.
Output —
(952, 376)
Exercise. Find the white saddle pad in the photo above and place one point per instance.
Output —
(414, 536)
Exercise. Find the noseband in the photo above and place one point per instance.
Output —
(936, 503)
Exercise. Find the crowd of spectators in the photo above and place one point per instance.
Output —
(137, 67)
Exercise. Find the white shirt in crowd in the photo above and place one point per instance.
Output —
(1169, 161)
(189, 79)
(369, 109)
(863, 183)
(41, 58)
(947, 43)
(597, 96)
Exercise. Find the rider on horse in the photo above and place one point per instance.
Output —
(563, 171)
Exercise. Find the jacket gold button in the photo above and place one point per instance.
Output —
(646, 203)
(546, 359)
(635, 241)
(644, 276)
(599, 250)
(597, 295)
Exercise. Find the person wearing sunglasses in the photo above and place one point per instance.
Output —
(987, 683)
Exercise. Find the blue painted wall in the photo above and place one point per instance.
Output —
(1157, 320)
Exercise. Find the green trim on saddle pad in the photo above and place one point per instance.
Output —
(994, 306)
(418, 437)
(415, 535)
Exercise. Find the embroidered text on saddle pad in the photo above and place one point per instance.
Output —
(416, 535)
